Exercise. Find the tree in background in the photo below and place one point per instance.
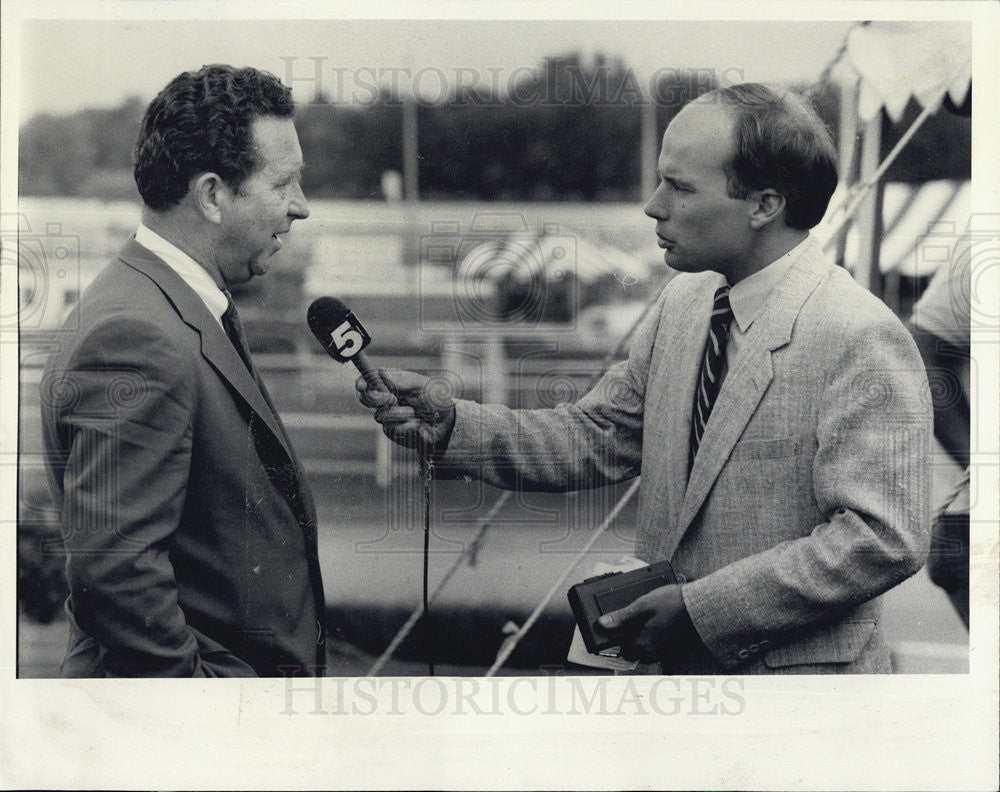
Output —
(86, 154)
(567, 131)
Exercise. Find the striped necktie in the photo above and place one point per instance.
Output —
(712, 364)
(234, 329)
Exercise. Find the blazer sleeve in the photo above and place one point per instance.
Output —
(595, 441)
(869, 477)
(127, 427)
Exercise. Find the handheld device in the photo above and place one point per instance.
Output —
(596, 596)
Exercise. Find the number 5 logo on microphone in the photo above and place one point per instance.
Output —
(337, 329)
(348, 338)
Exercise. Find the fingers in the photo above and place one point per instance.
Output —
(408, 415)
(374, 399)
(623, 617)
(388, 381)
(375, 381)
(655, 624)
(405, 387)
(402, 382)
(396, 416)
(632, 618)
(410, 434)
(637, 649)
(376, 391)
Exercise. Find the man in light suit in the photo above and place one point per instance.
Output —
(775, 409)
(189, 528)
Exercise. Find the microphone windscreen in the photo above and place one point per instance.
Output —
(338, 330)
(324, 314)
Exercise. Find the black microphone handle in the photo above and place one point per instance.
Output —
(371, 375)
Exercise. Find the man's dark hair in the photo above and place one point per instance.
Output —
(200, 122)
(782, 144)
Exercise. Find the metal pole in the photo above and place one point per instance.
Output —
(866, 272)
(411, 157)
(649, 148)
(411, 180)
(848, 144)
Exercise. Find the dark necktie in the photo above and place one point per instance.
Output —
(712, 364)
(285, 476)
(234, 329)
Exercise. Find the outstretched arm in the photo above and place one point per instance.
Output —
(594, 441)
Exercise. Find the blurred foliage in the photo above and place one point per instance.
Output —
(568, 131)
(346, 149)
(557, 135)
(85, 154)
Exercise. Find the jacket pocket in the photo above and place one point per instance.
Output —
(256, 639)
(841, 643)
(771, 448)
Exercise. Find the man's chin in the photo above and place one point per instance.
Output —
(683, 263)
(675, 262)
(244, 275)
(260, 265)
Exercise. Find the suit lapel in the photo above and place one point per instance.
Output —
(681, 367)
(216, 347)
(745, 386)
(741, 392)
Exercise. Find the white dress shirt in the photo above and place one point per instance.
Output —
(190, 271)
(747, 298)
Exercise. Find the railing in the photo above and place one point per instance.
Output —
(331, 432)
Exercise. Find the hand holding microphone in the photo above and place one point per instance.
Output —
(413, 413)
(417, 415)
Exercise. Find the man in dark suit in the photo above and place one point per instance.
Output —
(189, 528)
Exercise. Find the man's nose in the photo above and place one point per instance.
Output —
(299, 207)
(656, 206)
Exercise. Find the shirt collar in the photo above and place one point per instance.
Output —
(749, 295)
(190, 271)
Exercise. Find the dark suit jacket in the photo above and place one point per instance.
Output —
(189, 529)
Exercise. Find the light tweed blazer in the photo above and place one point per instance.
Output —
(808, 496)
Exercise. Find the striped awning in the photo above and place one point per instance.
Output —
(921, 223)
(900, 60)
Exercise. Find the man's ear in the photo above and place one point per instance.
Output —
(769, 205)
(209, 193)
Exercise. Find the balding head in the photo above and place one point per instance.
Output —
(780, 143)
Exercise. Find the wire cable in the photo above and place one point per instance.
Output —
(485, 522)
(428, 635)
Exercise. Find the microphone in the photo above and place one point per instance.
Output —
(343, 337)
